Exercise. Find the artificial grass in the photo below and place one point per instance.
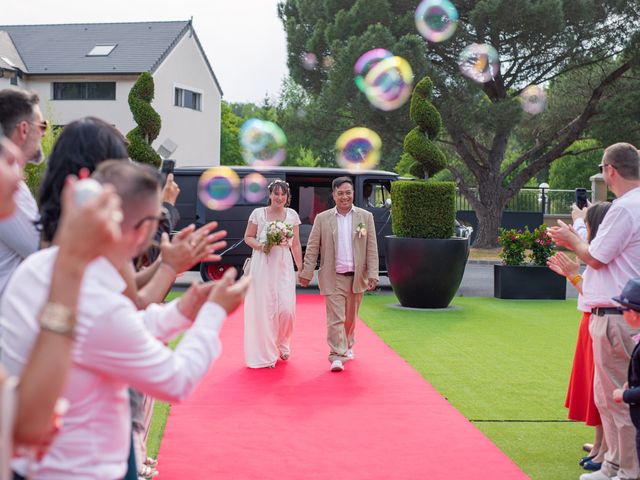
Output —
(504, 365)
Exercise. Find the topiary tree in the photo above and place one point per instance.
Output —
(423, 209)
(148, 120)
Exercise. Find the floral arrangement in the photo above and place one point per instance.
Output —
(278, 233)
(361, 230)
(515, 244)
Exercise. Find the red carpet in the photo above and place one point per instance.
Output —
(378, 419)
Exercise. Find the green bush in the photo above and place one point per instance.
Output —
(423, 209)
(148, 120)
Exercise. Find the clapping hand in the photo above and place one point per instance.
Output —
(564, 235)
(563, 265)
(190, 246)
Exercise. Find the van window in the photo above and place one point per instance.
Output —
(375, 193)
(313, 200)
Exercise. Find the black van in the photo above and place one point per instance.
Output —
(311, 194)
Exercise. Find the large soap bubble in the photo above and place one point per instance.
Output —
(219, 188)
(262, 143)
(479, 62)
(358, 149)
(436, 20)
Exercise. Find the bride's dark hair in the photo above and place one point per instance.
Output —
(283, 187)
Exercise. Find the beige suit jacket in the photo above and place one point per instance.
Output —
(322, 240)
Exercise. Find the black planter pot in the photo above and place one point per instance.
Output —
(528, 282)
(425, 272)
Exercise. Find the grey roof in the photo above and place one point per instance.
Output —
(62, 49)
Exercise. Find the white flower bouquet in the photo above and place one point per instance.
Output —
(278, 233)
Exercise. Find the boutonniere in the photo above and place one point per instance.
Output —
(361, 230)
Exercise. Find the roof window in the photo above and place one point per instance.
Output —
(101, 50)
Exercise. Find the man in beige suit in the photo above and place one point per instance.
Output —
(345, 238)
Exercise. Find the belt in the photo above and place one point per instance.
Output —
(602, 311)
(346, 274)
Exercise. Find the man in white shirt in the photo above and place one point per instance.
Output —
(345, 239)
(115, 344)
(614, 256)
(22, 122)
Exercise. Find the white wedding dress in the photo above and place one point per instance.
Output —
(270, 304)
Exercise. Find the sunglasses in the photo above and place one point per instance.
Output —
(43, 126)
(164, 214)
(602, 165)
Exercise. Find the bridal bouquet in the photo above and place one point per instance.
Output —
(278, 233)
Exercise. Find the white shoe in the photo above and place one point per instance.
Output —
(350, 354)
(595, 476)
(337, 366)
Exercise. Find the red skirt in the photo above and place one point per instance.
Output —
(580, 400)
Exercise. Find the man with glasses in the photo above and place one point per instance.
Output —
(614, 256)
(345, 238)
(22, 122)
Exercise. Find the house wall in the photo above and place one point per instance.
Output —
(197, 133)
(62, 112)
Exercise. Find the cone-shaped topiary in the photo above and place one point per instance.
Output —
(148, 121)
(419, 141)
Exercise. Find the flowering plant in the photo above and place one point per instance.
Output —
(515, 244)
(278, 233)
(361, 230)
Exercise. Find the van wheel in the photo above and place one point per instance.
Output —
(213, 271)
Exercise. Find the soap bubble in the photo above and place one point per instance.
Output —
(309, 61)
(366, 62)
(254, 187)
(436, 20)
(262, 143)
(358, 149)
(479, 62)
(389, 83)
(219, 188)
(534, 99)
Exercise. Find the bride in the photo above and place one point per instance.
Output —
(270, 304)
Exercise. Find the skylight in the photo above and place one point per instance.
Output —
(101, 50)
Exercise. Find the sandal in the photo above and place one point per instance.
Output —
(284, 356)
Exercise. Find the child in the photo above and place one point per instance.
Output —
(630, 393)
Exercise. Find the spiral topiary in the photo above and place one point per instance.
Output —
(148, 121)
(418, 142)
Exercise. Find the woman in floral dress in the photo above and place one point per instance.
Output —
(270, 304)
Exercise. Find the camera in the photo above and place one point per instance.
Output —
(581, 198)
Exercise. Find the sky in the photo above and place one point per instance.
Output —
(243, 39)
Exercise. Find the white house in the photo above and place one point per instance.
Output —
(89, 69)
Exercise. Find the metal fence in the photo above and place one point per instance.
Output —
(547, 201)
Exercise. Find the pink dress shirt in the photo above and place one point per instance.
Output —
(344, 244)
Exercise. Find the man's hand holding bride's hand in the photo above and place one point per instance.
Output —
(303, 281)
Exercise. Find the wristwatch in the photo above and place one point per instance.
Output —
(57, 318)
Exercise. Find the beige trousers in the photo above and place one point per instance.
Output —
(342, 309)
(612, 348)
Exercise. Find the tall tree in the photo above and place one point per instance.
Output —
(537, 42)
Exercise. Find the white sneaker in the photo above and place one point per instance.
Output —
(350, 354)
(337, 366)
(595, 476)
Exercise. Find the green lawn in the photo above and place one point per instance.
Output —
(494, 360)
(497, 360)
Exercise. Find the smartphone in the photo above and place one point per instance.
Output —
(167, 166)
(581, 198)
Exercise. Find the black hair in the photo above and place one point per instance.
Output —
(594, 217)
(84, 143)
(282, 185)
(15, 106)
(337, 182)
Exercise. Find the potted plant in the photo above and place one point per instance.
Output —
(516, 278)
(424, 260)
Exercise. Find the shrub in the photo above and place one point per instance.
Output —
(541, 246)
(515, 244)
(148, 120)
(423, 209)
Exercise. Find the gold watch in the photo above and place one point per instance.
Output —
(58, 318)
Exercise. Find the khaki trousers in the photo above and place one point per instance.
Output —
(342, 309)
(612, 348)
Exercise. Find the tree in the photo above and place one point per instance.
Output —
(148, 120)
(537, 41)
(230, 124)
(574, 171)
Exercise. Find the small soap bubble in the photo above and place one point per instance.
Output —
(219, 188)
(389, 83)
(328, 62)
(309, 61)
(365, 63)
(358, 149)
(534, 99)
(436, 20)
(85, 189)
(254, 188)
(262, 143)
(479, 62)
